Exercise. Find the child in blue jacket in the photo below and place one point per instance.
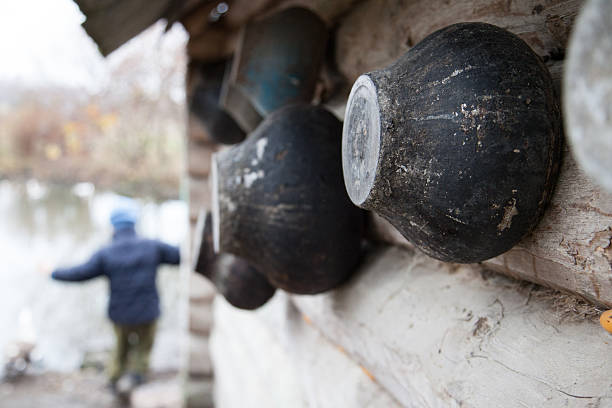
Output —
(130, 263)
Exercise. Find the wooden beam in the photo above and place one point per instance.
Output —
(212, 41)
(114, 22)
(438, 335)
(571, 248)
(377, 32)
(268, 355)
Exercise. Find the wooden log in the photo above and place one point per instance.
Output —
(126, 17)
(179, 10)
(198, 158)
(199, 194)
(213, 44)
(571, 248)
(200, 318)
(239, 283)
(457, 143)
(195, 21)
(249, 358)
(197, 132)
(201, 291)
(279, 202)
(393, 27)
(588, 91)
(200, 363)
(330, 11)
(434, 335)
(283, 361)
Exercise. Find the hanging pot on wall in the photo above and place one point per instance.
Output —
(277, 62)
(237, 105)
(204, 105)
(457, 143)
(279, 202)
(240, 284)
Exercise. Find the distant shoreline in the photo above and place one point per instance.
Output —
(158, 190)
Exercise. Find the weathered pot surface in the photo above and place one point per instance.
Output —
(241, 284)
(204, 104)
(457, 143)
(279, 202)
(279, 57)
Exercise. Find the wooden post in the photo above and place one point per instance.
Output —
(457, 144)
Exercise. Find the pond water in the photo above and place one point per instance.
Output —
(47, 225)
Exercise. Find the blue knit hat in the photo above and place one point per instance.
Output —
(125, 214)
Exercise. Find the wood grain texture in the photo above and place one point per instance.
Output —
(376, 32)
(200, 363)
(212, 44)
(201, 291)
(278, 359)
(569, 250)
(215, 40)
(251, 367)
(198, 158)
(199, 196)
(434, 335)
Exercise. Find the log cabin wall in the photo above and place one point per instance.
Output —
(198, 370)
(408, 330)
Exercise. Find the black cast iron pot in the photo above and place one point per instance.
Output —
(457, 143)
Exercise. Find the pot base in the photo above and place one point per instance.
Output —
(361, 140)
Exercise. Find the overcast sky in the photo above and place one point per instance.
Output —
(42, 43)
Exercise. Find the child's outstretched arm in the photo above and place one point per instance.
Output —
(92, 268)
(169, 254)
